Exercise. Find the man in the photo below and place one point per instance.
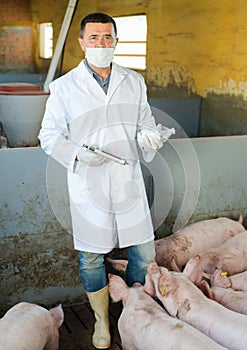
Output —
(103, 105)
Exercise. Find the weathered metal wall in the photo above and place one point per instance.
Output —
(222, 187)
(38, 262)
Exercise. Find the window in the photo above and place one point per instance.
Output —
(45, 40)
(131, 48)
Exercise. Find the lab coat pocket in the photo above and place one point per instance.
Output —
(80, 183)
(131, 183)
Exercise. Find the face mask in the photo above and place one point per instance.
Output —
(100, 56)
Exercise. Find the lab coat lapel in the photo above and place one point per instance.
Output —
(117, 76)
(86, 78)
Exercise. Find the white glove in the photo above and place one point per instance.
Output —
(165, 132)
(149, 139)
(89, 157)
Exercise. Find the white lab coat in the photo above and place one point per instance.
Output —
(108, 202)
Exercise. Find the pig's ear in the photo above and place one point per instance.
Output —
(149, 286)
(241, 219)
(57, 314)
(167, 283)
(219, 278)
(153, 267)
(204, 286)
(164, 270)
(174, 265)
(117, 287)
(193, 270)
(119, 265)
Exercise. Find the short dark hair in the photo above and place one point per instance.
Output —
(97, 17)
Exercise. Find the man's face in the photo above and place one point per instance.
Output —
(98, 35)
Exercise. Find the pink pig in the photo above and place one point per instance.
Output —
(237, 282)
(231, 299)
(175, 250)
(29, 326)
(231, 257)
(145, 325)
(182, 299)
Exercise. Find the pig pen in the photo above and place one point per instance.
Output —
(38, 262)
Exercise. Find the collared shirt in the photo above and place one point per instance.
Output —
(103, 83)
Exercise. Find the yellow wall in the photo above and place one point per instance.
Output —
(197, 45)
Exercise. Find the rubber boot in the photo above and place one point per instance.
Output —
(99, 302)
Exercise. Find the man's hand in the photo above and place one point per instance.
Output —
(149, 139)
(89, 157)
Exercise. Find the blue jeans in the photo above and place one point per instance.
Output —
(93, 273)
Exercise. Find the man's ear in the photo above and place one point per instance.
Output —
(80, 40)
(116, 42)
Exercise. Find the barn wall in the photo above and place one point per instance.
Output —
(195, 48)
(39, 263)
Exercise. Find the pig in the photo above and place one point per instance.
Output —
(193, 269)
(118, 264)
(237, 282)
(230, 298)
(28, 326)
(145, 325)
(184, 300)
(174, 251)
(230, 256)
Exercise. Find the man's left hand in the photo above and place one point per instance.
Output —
(149, 139)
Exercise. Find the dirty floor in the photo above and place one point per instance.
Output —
(76, 331)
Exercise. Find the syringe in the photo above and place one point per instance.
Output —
(106, 154)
